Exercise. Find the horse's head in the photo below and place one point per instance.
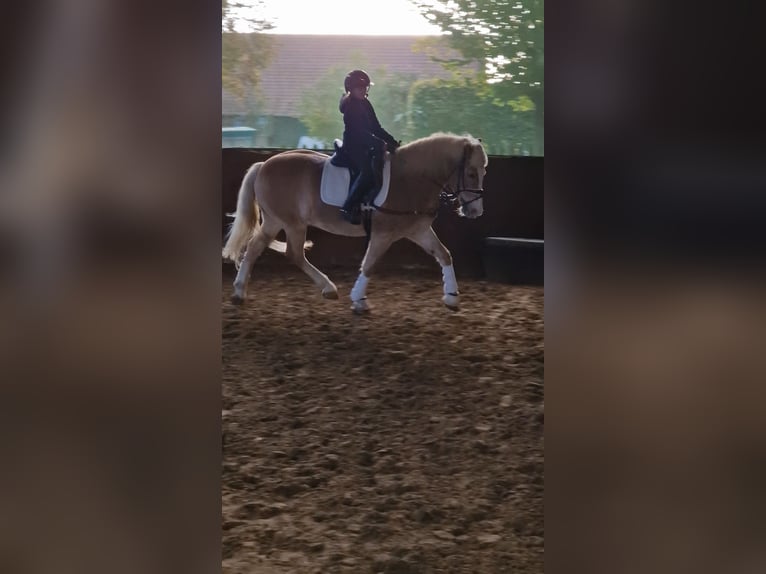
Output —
(470, 184)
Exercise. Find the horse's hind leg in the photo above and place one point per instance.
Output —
(255, 247)
(430, 243)
(296, 237)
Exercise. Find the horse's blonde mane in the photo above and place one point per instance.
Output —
(451, 142)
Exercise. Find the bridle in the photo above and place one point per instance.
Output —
(448, 196)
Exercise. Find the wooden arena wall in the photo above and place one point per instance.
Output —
(513, 207)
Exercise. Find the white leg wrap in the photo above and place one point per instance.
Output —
(359, 291)
(450, 282)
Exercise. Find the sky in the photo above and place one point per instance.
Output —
(363, 17)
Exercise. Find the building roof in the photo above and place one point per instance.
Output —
(299, 61)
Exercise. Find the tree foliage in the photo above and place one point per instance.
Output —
(459, 106)
(243, 55)
(506, 39)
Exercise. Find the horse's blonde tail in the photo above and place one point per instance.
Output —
(247, 220)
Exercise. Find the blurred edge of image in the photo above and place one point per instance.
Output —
(109, 293)
(655, 300)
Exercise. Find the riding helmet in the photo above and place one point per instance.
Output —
(357, 78)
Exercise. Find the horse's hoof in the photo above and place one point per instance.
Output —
(360, 307)
(330, 294)
(237, 300)
(451, 302)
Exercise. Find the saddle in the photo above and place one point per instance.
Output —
(338, 177)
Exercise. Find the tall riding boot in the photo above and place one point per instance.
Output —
(351, 208)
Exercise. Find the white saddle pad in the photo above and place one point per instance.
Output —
(335, 182)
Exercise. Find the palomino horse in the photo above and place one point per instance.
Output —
(286, 187)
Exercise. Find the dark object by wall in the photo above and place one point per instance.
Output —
(514, 260)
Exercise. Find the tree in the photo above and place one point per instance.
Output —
(458, 104)
(243, 55)
(506, 39)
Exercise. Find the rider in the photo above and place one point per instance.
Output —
(364, 140)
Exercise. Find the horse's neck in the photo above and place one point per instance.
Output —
(436, 168)
(422, 180)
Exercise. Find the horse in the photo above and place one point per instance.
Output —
(283, 193)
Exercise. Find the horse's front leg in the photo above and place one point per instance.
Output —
(430, 243)
(379, 244)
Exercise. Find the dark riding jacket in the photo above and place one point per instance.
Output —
(363, 131)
